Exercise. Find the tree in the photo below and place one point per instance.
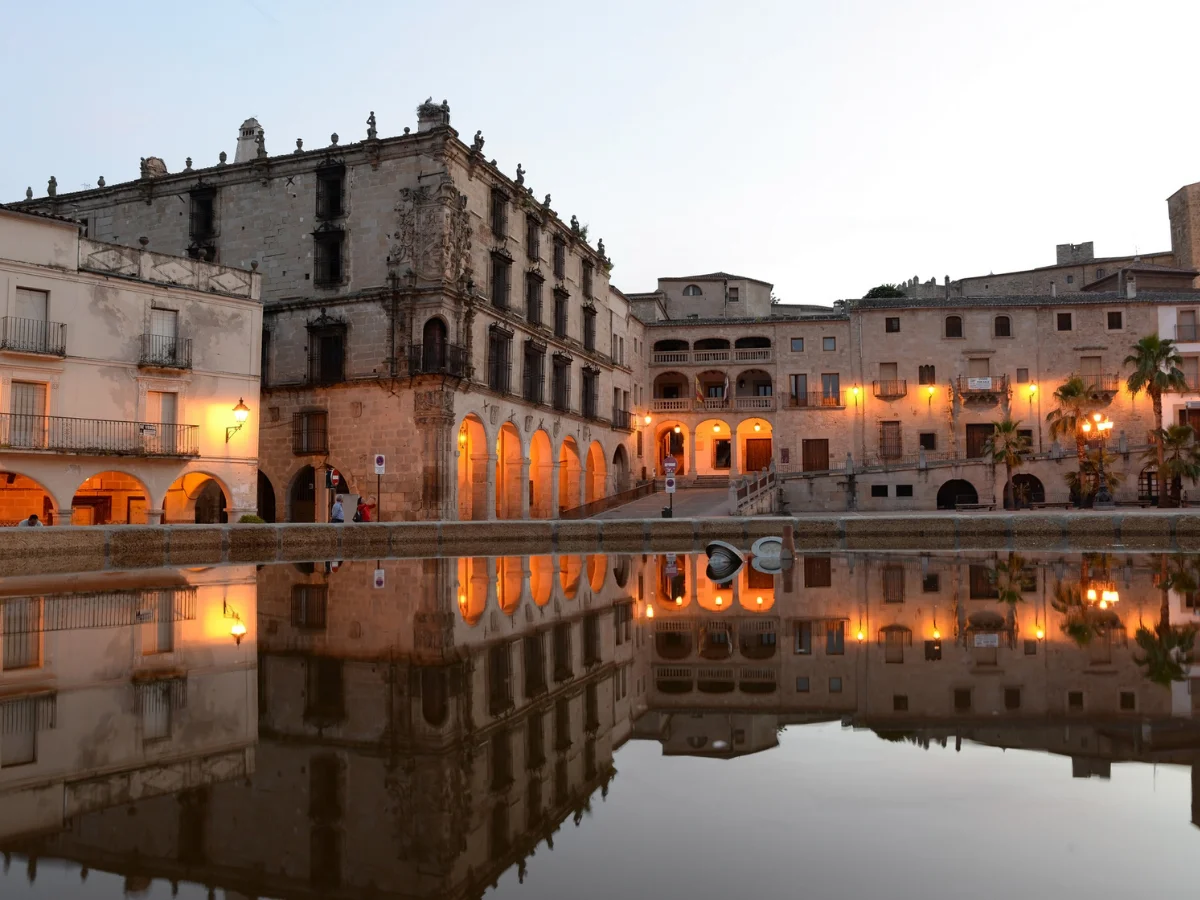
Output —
(1156, 370)
(1181, 459)
(1074, 402)
(884, 292)
(1086, 481)
(1007, 445)
(1167, 651)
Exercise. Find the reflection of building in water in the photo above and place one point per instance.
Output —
(418, 740)
(122, 686)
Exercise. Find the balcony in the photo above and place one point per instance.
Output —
(817, 400)
(1187, 332)
(714, 403)
(892, 389)
(754, 403)
(752, 354)
(670, 358)
(437, 359)
(1102, 384)
(982, 389)
(671, 404)
(622, 420)
(35, 336)
(99, 437)
(702, 357)
(165, 352)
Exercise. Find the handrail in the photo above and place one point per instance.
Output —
(100, 436)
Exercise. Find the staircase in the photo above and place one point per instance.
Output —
(710, 481)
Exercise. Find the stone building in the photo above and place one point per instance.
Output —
(124, 380)
(419, 304)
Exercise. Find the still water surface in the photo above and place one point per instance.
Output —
(979, 724)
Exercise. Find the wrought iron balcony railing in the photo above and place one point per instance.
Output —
(437, 359)
(890, 389)
(622, 420)
(33, 336)
(817, 400)
(102, 437)
(166, 351)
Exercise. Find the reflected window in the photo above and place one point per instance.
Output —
(835, 638)
(835, 685)
(802, 684)
(804, 638)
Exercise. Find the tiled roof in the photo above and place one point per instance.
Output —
(1071, 299)
(718, 276)
(39, 215)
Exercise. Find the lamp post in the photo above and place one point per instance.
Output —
(1099, 427)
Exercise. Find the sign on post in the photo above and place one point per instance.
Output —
(672, 568)
(670, 484)
(379, 464)
(379, 578)
(669, 465)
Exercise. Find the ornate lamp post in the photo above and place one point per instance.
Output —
(1098, 428)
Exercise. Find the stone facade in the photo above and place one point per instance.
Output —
(120, 370)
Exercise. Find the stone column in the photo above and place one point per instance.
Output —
(733, 455)
(480, 488)
(154, 516)
(524, 488)
(491, 486)
(583, 482)
(555, 468)
(691, 463)
(433, 412)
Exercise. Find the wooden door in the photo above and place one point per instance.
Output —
(977, 437)
(815, 455)
(758, 454)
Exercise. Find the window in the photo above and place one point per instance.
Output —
(1003, 326)
(891, 324)
(499, 212)
(831, 384)
(835, 685)
(818, 571)
(954, 326)
(828, 343)
(798, 389)
(1099, 273)
(1075, 701)
(309, 602)
(310, 432)
(1031, 646)
(589, 393)
(1063, 321)
(1128, 701)
(560, 258)
(533, 298)
(733, 295)
(801, 684)
(331, 192)
(533, 373)
(155, 703)
(328, 261)
(587, 280)
(623, 618)
(814, 454)
(835, 638)
(1012, 698)
(893, 583)
(560, 313)
(499, 359)
(928, 440)
(692, 290)
(1070, 279)
(890, 442)
(501, 759)
(879, 490)
(1022, 376)
(931, 583)
(562, 651)
(533, 238)
(202, 222)
(501, 280)
(982, 586)
(904, 490)
(499, 678)
(899, 702)
(1116, 320)
(804, 638)
(22, 642)
(327, 354)
(962, 699)
(560, 382)
(926, 375)
(589, 328)
(797, 345)
(27, 421)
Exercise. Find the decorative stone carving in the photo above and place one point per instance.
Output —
(520, 174)
(546, 202)
(555, 428)
(433, 234)
(261, 141)
(574, 224)
(187, 164)
(52, 187)
(224, 156)
(28, 193)
(299, 145)
(371, 132)
(333, 139)
(528, 424)
(600, 248)
(477, 144)
(100, 181)
(494, 414)
(433, 407)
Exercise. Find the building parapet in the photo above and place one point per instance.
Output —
(161, 268)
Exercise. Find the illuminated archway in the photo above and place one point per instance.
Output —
(755, 445)
(509, 485)
(714, 448)
(21, 497)
(595, 474)
(597, 571)
(472, 469)
(671, 439)
(570, 471)
(541, 462)
(570, 574)
(196, 497)
(541, 579)
(110, 498)
(472, 588)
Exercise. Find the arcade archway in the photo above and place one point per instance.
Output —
(21, 496)
(955, 491)
(110, 498)
(595, 474)
(541, 461)
(570, 471)
(509, 485)
(472, 469)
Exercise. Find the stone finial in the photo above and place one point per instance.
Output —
(28, 193)
(143, 240)
(52, 187)
(224, 156)
(333, 139)
(143, 168)
(299, 145)
(546, 202)
(187, 164)
(254, 265)
(406, 129)
(574, 224)
(600, 248)
(477, 144)
(520, 174)
(371, 132)
(100, 181)
(260, 140)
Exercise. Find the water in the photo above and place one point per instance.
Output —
(861, 725)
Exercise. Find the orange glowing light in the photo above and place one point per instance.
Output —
(716, 428)
(1040, 634)
(679, 601)
(649, 612)
(678, 429)
(648, 420)
(937, 635)
(719, 600)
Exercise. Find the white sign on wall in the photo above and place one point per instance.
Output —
(979, 384)
(987, 640)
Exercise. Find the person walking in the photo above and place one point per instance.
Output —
(337, 515)
(32, 522)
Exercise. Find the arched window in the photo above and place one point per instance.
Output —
(692, 290)
(953, 326)
(1003, 326)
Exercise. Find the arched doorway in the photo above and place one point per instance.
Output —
(266, 498)
(210, 505)
(110, 498)
(21, 497)
(541, 461)
(955, 491)
(569, 473)
(755, 446)
(433, 346)
(302, 498)
(671, 439)
(595, 473)
(1028, 489)
(714, 448)
(620, 470)
(509, 486)
(472, 469)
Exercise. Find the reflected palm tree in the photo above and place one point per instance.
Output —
(1009, 578)
(1076, 624)
(1167, 651)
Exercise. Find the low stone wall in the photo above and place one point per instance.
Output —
(37, 551)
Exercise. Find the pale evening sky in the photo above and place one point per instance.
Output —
(824, 147)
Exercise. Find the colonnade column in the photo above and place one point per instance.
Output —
(524, 488)
(490, 500)
(554, 476)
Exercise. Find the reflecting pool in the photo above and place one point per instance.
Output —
(938, 725)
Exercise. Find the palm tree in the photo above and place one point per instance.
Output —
(1083, 484)
(1007, 445)
(1167, 651)
(1156, 370)
(1010, 579)
(1181, 459)
(1074, 403)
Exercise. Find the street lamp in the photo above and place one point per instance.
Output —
(241, 413)
(1098, 428)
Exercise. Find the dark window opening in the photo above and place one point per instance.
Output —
(904, 490)
(533, 242)
(499, 212)
(891, 324)
(560, 313)
(310, 432)
(331, 192)
(533, 299)
(533, 386)
(954, 326)
(1003, 326)
(499, 359)
(501, 280)
(202, 224)
(590, 393)
(560, 383)
(879, 490)
(327, 355)
(589, 329)
(818, 571)
(588, 272)
(1116, 320)
(931, 583)
(1063, 321)
(560, 258)
(328, 252)
(926, 375)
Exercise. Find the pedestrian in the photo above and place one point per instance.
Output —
(32, 522)
(336, 515)
(363, 512)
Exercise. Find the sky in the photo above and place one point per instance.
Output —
(825, 147)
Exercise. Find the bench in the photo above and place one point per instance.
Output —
(961, 506)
